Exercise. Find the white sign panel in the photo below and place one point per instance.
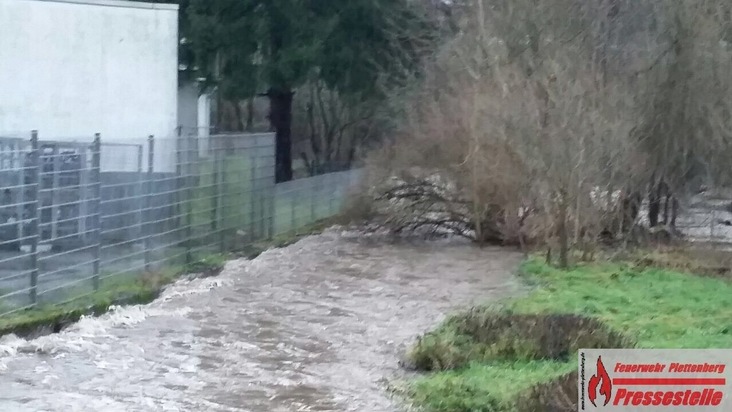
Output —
(648, 379)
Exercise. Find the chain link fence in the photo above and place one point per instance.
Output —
(708, 219)
(80, 218)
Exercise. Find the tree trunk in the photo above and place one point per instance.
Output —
(250, 114)
(664, 192)
(636, 203)
(654, 204)
(630, 208)
(219, 111)
(239, 127)
(351, 158)
(674, 211)
(563, 235)
(280, 117)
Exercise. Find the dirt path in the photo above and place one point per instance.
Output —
(316, 326)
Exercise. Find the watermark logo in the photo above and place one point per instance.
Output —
(644, 379)
(600, 383)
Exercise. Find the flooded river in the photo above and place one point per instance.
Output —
(317, 326)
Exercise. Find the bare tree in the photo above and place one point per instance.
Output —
(331, 130)
(545, 121)
(683, 134)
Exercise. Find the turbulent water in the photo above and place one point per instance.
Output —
(317, 326)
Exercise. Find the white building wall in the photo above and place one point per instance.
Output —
(70, 68)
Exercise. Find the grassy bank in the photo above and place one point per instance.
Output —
(488, 359)
(134, 289)
(126, 289)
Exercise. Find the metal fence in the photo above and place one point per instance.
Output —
(707, 220)
(78, 218)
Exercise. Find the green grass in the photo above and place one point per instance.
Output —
(131, 288)
(206, 264)
(48, 316)
(482, 387)
(656, 308)
(660, 308)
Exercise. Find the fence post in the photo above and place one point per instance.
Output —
(97, 199)
(189, 170)
(180, 211)
(148, 200)
(293, 217)
(215, 190)
(35, 173)
(261, 188)
(331, 193)
(56, 162)
(84, 214)
(140, 191)
(261, 193)
(271, 193)
(216, 228)
(21, 200)
(220, 189)
(271, 190)
(262, 209)
(313, 195)
(252, 195)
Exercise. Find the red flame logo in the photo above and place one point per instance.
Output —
(601, 379)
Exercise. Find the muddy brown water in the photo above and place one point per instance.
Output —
(317, 326)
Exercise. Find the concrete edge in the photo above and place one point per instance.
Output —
(117, 3)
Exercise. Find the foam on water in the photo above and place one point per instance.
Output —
(78, 336)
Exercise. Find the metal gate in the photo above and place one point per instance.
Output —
(64, 193)
(62, 170)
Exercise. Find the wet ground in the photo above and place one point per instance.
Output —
(317, 326)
